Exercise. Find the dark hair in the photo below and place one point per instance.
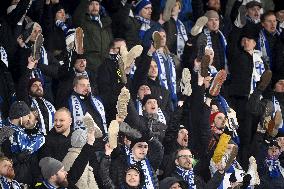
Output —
(266, 14)
(115, 40)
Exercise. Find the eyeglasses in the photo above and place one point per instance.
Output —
(185, 156)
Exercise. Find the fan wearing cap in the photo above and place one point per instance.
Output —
(32, 92)
(91, 17)
(18, 119)
(133, 177)
(137, 26)
(212, 37)
(153, 117)
(146, 151)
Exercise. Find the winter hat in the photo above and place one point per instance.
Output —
(136, 140)
(212, 117)
(140, 172)
(19, 109)
(76, 56)
(147, 97)
(95, 0)
(32, 80)
(275, 79)
(57, 7)
(140, 5)
(49, 167)
(211, 14)
(279, 5)
(79, 138)
(253, 3)
(250, 32)
(166, 183)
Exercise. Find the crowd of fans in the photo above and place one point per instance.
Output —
(142, 94)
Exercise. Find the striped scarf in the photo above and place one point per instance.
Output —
(147, 170)
(167, 78)
(5, 184)
(181, 38)
(62, 26)
(187, 175)
(223, 41)
(145, 25)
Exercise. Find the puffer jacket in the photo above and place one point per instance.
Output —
(87, 180)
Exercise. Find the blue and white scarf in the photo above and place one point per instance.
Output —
(264, 47)
(258, 69)
(161, 116)
(187, 175)
(62, 26)
(274, 168)
(223, 41)
(167, 80)
(147, 170)
(97, 19)
(49, 186)
(51, 111)
(78, 111)
(145, 25)
(84, 73)
(21, 142)
(5, 184)
(181, 37)
(36, 72)
(4, 56)
(277, 107)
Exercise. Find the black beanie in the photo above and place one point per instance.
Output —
(56, 7)
(250, 32)
(147, 97)
(19, 109)
(136, 140)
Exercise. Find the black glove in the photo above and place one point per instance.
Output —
(246, 181)
(23, 156)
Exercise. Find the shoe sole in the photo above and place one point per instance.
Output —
(122, 103)
(112, 134)
(157, 40)
(198, 26)
(204, 65)
(265, 80)
(170, 4)
(217, 83)
(79, 36)
(91, 124)
(36, 47)
(135, 52)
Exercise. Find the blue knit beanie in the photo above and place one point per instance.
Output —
(140, 5)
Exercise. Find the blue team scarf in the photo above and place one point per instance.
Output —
(5, 184)
(181, 37)
(78, 111)
(145, 25)
(21, 142)
(263, 46)
(62, 26)
(223, 42)
(147, 170)
(51, 111)
(97, 19)
(187, 175)
(274, 168)
(162, 61)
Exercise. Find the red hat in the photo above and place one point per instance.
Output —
(212, 117)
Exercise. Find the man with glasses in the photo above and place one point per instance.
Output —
(185, 172)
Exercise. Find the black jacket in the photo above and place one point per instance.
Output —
(56, 145)
(109, 86)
